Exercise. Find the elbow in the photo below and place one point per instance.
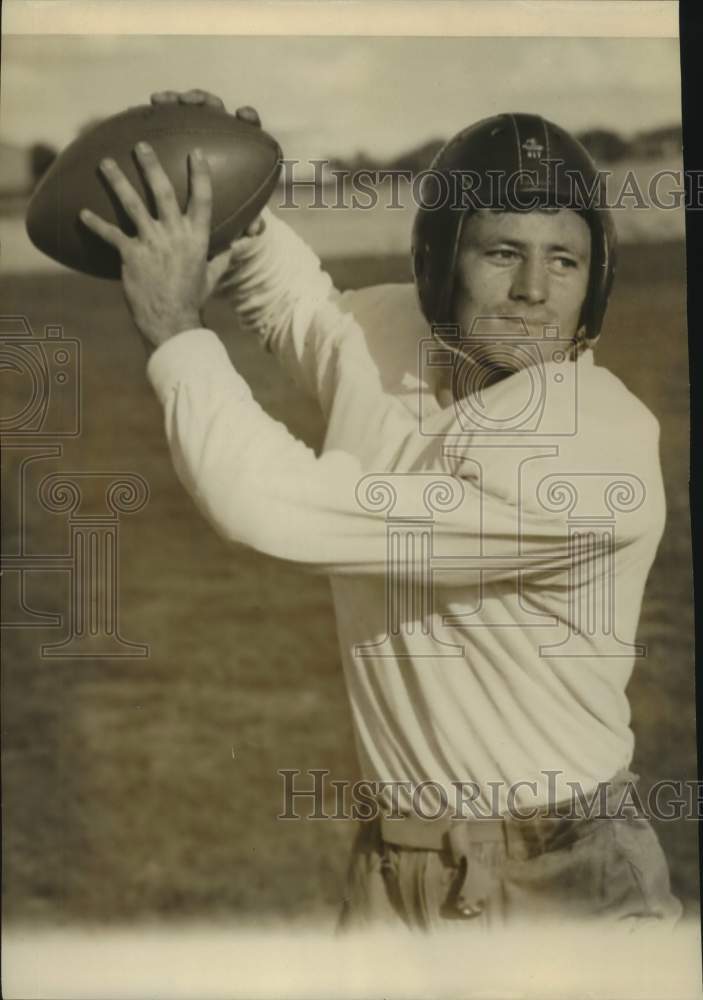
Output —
(253, 524)
(234, 523)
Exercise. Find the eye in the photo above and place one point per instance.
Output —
(503, 255)
(565, 263)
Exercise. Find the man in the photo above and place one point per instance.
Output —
(487, 632)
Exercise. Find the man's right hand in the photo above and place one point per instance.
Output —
(245, 114)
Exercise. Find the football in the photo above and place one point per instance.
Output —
(245, 163)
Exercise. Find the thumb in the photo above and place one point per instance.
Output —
(255, 227)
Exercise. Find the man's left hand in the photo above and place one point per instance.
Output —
(165, 273)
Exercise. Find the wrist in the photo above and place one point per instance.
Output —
(156, 336)
(190, 320)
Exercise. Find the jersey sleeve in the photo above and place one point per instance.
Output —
(277, 289)
(259, 486)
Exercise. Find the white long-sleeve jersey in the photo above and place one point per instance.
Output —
(487, 583)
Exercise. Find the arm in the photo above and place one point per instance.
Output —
(276, 287)
(259, 486)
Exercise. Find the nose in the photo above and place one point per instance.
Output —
(530, 282)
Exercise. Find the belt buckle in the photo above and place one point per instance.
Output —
(476, 881)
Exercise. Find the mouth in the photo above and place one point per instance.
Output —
(510, 325)
(529, 320)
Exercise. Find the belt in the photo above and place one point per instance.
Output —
(453, 836)
(521, 838)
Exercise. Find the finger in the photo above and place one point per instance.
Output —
(248, 114)
(255, 227)
(192, 97)
(166, 203)
(198, 96)
(200, 205)
(213, 100)
(131, 202)
(111, 234)
(165, 97)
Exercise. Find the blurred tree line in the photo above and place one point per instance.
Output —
(605, 146)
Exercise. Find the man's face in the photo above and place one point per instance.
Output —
(522, 265)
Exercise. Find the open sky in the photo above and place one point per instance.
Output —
(327, 96)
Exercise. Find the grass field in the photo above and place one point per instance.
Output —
(149, 788)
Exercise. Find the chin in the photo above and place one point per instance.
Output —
(480, 372)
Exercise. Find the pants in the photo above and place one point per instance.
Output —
(506, 872)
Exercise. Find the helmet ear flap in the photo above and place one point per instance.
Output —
(448, 309)
(602, 271)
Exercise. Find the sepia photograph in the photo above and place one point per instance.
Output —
(347, 586)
